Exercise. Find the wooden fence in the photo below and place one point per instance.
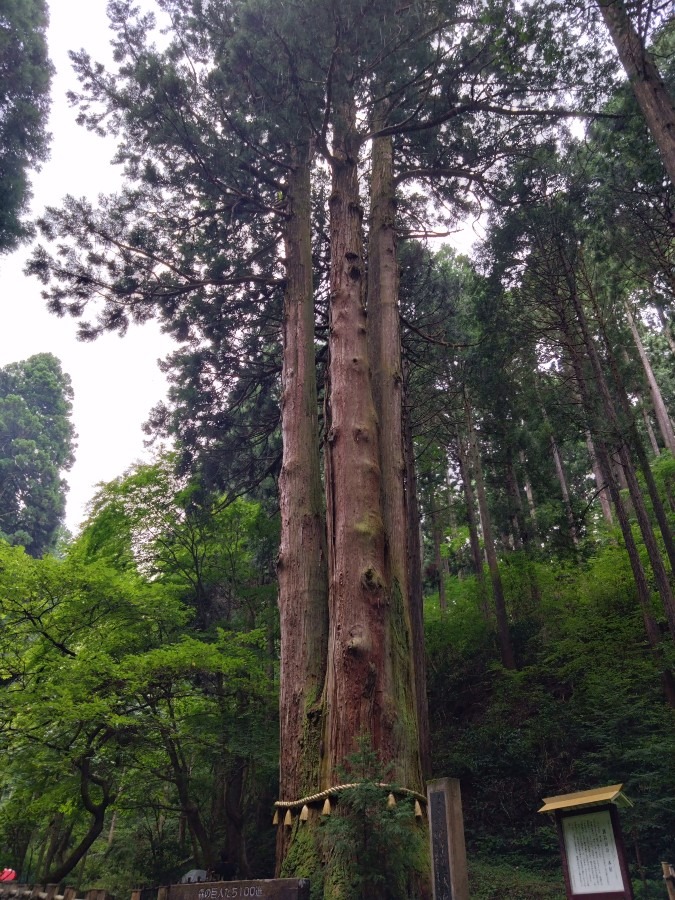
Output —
(10, 890)
(669, 878)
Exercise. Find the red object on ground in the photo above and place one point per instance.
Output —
(7, 875)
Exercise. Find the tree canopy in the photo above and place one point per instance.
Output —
(25, 77)
(37, 443)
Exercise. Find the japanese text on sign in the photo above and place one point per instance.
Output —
(592, 858)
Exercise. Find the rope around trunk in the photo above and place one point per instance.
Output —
(329, 792)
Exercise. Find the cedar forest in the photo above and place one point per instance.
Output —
(412, 515)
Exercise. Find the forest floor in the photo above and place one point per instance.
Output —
(493, 881)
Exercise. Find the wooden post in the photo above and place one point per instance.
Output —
(669, 878)
(450, 878)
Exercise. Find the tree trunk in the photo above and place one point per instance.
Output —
(416, 599)
(667, 329)
(302, 562)
(644, 595)
(529, 493)
(361, 691)
(637, 445)
(662, 417)
(650, 91)
(658, 568)
(656, 450)
(600, 481)
(519, 529)
(97, 812)
(562, 480)
(405, 651)
(436, 538)
(503, 634)
(474, 541)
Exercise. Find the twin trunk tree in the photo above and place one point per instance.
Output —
(350, 649)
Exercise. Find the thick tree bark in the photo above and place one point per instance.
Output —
(662, 417)
(503, 634)
(302, 564)
(405, 652)
(357, 694)
(652, 96)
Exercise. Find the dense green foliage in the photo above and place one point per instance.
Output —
(117, 695)
(25, 76)
(138, 671)
(583, 709)
(36, 447)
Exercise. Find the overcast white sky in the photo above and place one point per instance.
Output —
(116, 380)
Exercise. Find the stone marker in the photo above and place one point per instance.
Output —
(449, 875)
(269, 889)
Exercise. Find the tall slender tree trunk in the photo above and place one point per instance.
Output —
(529, 494)
(416, 600)
(365, 693)
(636, 443)
(658, 568)
(474, 541)
(519, 528)
(651, 93)
(667, 329)
(302, 564)
(436, 538)
(656, 450)
(562, 480)
(407, 679)
(503, 633)
(600, 481)
(662, 417)
(652, 631)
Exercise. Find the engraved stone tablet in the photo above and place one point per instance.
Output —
(450, 880)
(440, 851)
(270, 889)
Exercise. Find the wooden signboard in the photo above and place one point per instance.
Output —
(593, 855)
(449, 876)
(269, 889)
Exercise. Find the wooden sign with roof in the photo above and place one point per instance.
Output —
(591, 845)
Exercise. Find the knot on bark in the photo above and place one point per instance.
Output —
(357, 642)
(372, 580)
